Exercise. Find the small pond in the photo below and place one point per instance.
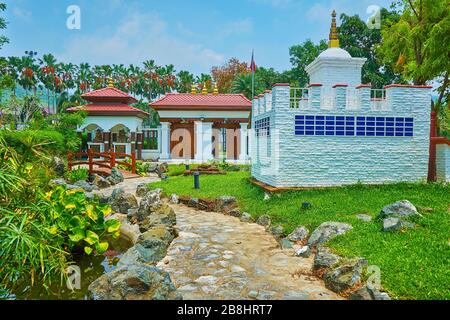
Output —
(92, 267)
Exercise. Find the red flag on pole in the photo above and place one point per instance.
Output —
(253, 64)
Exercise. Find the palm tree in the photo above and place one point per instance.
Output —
(243, 84)
(184, 82)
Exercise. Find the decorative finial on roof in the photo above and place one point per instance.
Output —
(110, 83)
(205, 89)
(334, 39)
(216, 89)
(193, 89)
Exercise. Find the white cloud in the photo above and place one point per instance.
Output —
(137, 38)
(274, 3)
(238, 27)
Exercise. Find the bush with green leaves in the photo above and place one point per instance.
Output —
(79, 174)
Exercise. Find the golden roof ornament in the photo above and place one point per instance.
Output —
(193, 89)
(110, 83)
(216, 89)
(205, 89)
(334, 38)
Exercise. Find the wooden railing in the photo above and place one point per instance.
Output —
(106, 160)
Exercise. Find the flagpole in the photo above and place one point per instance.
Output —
(253, 74)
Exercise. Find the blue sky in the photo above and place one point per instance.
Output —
(191, 34)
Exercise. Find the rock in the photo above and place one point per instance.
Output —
(264, 220)
(193, 203)
(151, 167)
(149, 204)
(111, 181)
(116, 176)
(142, 190)
(127, 230)
(304, 252)
(148, 250)
(299, 234)
(174, 199)
(253, 294)
(101, 182)
(234, 213)
(103, 199)
(134, 282)
(394, 224)
(364, 217)
(207, 280)
(327, 231)
(59, 166)
(286, 244)
(58, 182)
(306, 205)
(225, 204)
(366, 293)
(400, 209)
(277, 231)
(121, 202)
(246, 217)
(162, 215)
(346, 275)
(160, 232)
(266, 196)
(325, 259)
(86, 186)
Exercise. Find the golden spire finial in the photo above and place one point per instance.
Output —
(205, 89)
(334, 39)
(216, 89)
(193, 89)
(110, 83)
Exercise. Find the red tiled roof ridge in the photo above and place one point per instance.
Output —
(204, 97)
(106, 93)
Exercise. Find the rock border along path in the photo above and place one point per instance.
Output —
(219, 257)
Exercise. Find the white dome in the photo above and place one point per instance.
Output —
(335, 53)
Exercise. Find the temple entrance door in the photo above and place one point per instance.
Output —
(182, 143)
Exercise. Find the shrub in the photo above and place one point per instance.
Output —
(80, 174)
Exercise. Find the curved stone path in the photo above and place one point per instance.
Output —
(219, 257)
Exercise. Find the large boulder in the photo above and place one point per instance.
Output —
(116, 176)
(86, 186)
(101, 182)
(299, 234)
(151, 167)
(149, 204)
(277, 230)
(246, 217)
(345, 276)
(149, 249)
(134, 282)
(325, 259)
(327, 231)
(121, 202)
(161, 215)
(400, 209)
(142, 190)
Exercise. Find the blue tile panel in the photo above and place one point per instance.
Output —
(354, 126)
(262, 127)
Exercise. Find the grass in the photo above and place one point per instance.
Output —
(415, 264)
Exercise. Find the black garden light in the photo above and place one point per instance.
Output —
(197, 180)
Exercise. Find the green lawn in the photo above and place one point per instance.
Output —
(415, 264)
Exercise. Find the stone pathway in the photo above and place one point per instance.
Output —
(129, 185)
(219, 257)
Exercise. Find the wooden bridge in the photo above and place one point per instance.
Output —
(101, 163)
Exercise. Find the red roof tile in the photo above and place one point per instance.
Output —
(110, 109)
(200, 101)
(108, 94)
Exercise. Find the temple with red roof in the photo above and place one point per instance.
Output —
(111, 122)
(203, 126)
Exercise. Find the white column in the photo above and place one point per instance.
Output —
(165, 140)
(198, 131)
(244, 134)
(207, 141)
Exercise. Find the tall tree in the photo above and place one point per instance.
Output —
(360, 41)
(3, 39)
(185, 81)
(225, 75)
(417, 45)
(302, 55)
